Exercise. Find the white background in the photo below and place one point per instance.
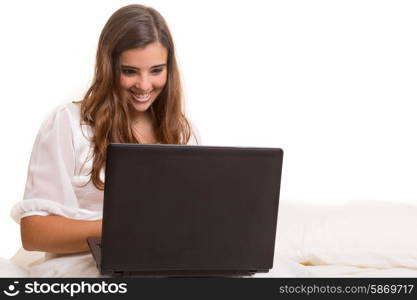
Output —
(333, 83)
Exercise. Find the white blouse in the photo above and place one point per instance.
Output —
(59, 167)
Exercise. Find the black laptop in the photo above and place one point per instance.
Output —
(176, 210)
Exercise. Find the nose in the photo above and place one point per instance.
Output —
(143, 83)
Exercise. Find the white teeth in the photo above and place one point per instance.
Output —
(141, 97)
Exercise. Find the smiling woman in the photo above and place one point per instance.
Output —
(135, 97)
(144, 73)
(143, 76)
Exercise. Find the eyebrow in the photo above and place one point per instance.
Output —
(134, 68)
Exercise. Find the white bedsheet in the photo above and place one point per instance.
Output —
(367, 239)
(284, 267)
(27, 264)
(83, 265)
(351, 271)
(10, 269)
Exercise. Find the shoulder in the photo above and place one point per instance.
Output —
(69, 111)
(64, 115)
(59, 112)
(74, 110)
(63, 120)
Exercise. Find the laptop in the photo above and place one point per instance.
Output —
(177, 210)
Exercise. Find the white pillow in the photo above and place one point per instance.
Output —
(363, 234)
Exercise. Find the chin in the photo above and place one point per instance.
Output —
(142, 107)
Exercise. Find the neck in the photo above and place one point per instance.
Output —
(144, 126)
(144, 117)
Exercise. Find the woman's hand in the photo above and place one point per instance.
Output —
(57, 234)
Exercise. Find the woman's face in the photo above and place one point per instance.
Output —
(144, 74)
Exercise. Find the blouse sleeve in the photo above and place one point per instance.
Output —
(49, 189)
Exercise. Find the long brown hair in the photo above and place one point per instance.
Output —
(105, 107)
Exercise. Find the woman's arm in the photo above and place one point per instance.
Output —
(57, 234)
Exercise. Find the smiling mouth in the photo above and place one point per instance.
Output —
(141, 97)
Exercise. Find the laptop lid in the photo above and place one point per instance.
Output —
(189, 208)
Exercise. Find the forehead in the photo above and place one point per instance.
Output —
(144, 58)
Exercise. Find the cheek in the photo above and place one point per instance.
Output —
(126, 82)
(160, 81)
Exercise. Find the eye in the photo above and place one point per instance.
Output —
(156, 71)
(128, 72)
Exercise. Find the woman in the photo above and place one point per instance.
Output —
(135, 97)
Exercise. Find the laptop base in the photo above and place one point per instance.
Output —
(180, 274)
(95, 247)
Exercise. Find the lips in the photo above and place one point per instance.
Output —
(141, 97)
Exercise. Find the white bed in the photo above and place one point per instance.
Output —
(359, 239)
